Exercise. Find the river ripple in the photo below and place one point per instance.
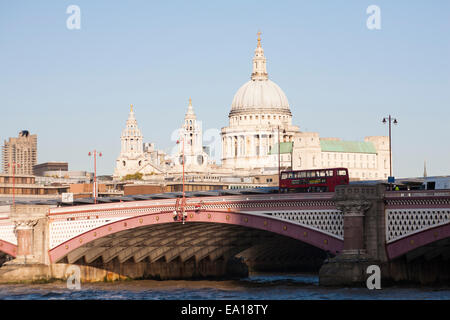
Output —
(257, 286)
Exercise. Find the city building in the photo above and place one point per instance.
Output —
(20, 152)
(365, 160)
(86, 190)
(24, 186)
(44, 168)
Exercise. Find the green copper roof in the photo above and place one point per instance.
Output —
(285, 147)
(347, 146)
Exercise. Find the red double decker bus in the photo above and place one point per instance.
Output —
(319, 180)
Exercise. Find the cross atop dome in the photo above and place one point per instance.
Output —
(259, 62)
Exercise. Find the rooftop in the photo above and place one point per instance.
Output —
(347, 146)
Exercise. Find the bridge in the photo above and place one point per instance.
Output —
(222, 234)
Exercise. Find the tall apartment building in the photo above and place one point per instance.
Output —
(21, 150)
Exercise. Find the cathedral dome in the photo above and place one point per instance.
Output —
(259, 94)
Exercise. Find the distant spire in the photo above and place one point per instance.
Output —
(131, 118)
(425, 169)
(190, 111)
(259, 62)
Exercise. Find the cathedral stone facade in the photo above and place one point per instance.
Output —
(135, 155)
(191, 144)
(260, 138)
(260, 118)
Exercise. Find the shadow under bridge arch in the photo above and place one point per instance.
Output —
(210, 235)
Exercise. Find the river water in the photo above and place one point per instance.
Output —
(256, 286)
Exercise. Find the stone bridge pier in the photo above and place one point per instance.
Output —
(364, 235)
(31, 228)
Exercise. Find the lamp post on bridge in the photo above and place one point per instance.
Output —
(183, 200)
(13, 166)
(94, 154)
(279, 158)
(390, 120)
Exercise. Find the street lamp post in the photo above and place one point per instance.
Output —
(279, 158)
(394, 121)
(94, 154)
(183, 200)
(14, 165)
(279, 166)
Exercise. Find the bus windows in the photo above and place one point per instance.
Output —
(302, 174)
(330, 173)
(322, 173)
(342, 172)
(284, 176)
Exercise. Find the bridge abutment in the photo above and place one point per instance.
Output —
(31, 228)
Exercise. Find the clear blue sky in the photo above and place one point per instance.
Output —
(73, 87)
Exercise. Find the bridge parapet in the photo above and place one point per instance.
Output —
(415, 219)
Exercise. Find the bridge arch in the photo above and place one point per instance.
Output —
(8, 248)
(420, 239)
(262, 222)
